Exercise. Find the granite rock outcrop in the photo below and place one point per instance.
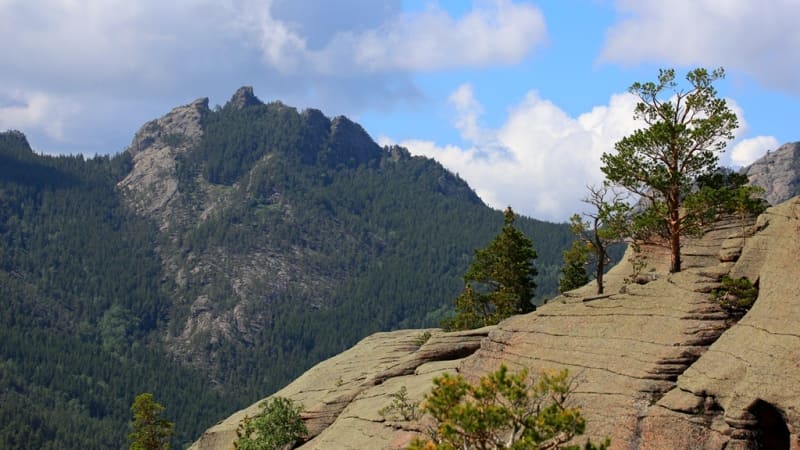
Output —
(777, 172)
(657, 363)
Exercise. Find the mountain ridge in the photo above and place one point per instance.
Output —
(227, 249)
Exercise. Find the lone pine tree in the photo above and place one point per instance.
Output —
(500, 280)
(686, 129)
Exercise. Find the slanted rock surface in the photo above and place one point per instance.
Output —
(151, 186)
(625, 349)
(754, 367)
(657, 364)
(777, 172)
(343, 395)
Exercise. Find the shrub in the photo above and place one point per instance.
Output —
(276, 426)
(503, 410)
(735, 295)
(401, 407)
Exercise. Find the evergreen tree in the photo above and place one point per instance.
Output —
(500, 280)
(685, 130)
(150, 430)
(573, 274)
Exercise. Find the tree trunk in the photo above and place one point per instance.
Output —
(675, 249)
(601, 265)
(674, 225)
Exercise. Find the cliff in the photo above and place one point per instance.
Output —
(777, 172)
(658, 365)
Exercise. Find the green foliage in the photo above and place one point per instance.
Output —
(500, 280)
(724, 192)
(573, 274)
(276, 426)
(503, 410)
(735, 295)
(638, 261)
(150, 430)
(82, 296)
(685, 130)
(401, 407)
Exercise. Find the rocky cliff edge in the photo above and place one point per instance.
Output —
(657, 364)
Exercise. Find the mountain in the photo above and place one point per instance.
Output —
(81, 304)
(657, 364)
(282, 229)
(777, 172)
(223, 253)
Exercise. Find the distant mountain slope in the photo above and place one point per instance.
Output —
(778, 172)
(231, 247)
(81, 298)
(288, 236)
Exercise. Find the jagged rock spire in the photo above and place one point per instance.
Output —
(244, 97)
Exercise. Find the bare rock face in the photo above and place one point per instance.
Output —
(625, 349)
(343, 395)
(778, 172)
(747, 385)
(244, 97)
(152, 185)
(658, 365)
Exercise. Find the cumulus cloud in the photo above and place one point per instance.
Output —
(746, 151)
(541, 159)
(36, 110)
(344, 57)
(496, 31)
(743, 150)
(757, 38)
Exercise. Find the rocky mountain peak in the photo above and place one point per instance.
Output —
(152, 184)
(15, 136)
(777, 172)
(243, 98)
(356, 146)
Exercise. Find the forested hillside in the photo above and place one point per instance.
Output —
(283, 238)
(82, 300)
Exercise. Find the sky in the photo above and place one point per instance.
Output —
(520, 98)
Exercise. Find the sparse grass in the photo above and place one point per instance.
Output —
(422, 338)
(401, 407)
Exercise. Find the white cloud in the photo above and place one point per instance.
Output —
(743, 150)
(468, 112)
(747, 151)
(757, 38)
(37, 111)
(344, 57)
(494, 31)
(541, 159)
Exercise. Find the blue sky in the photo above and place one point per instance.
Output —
(518, 97)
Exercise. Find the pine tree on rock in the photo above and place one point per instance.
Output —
(500, 280)
(573, 274)
(686, 129)
(150, 430)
